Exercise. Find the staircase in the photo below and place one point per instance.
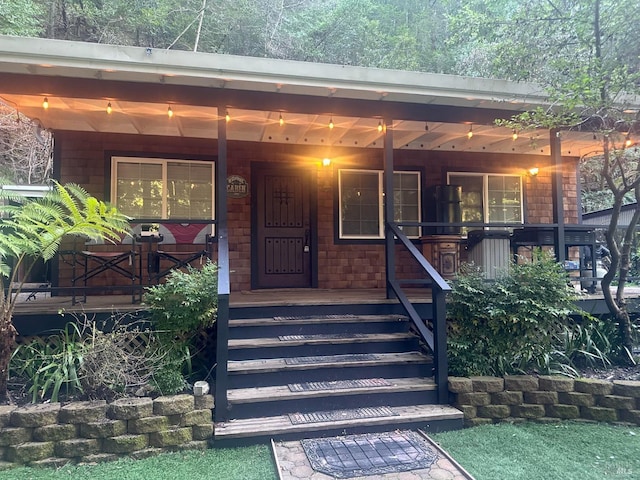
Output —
(320, 375)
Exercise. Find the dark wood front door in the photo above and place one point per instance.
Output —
(282, 233)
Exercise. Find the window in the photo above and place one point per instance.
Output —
(489, 198)
(361, 202)
(153, 188)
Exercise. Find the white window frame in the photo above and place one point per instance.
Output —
(485, 190)
(116, 160)
(381, 195)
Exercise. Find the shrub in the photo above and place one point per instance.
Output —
(507, 326)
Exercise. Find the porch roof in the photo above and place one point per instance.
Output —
(79, 80)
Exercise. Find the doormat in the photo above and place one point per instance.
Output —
(337, 415)
(372, 454)
(322, 336)
(316, 317)
(338, 384)
(350, 357)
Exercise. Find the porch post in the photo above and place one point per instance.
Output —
(557, 196)
(389, 246)
(222, 322)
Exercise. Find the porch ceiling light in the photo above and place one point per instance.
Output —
(227, 117)
(533, 171)
(470, 132)
(45, 103)
(109, 108)
(281, 120)
(379, 126)
(331, 123)
(326, 162)
(169, 112)
(515, 135)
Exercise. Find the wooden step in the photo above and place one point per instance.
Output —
(320, 319)
(291, 341)
(429, 417)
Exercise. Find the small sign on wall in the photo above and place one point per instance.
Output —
(237, 187)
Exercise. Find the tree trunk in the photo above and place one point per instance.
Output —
(7, 347)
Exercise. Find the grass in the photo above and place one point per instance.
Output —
(250, 463)
(546, 451)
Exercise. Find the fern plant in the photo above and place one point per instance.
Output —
(34, 228)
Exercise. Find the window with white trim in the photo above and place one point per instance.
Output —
(361, 203)
(489, 197)
(161, 188)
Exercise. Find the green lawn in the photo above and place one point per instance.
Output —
(251, 463)
(530, 451)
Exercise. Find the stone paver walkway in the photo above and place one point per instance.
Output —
(293, 464)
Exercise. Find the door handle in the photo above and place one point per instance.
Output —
(307, 236)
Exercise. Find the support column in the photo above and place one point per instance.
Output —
(557, 196)
(389, 249)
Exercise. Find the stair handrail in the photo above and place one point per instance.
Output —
(436, 339)
(222, 326)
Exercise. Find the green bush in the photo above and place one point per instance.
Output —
(507, 326)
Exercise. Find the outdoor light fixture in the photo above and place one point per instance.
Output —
(227, 117)
(326, 162)
(470, 132)
(169, 112)
(627, 141)
(109, 109)
(515, 135)
(533, 171)
(379, 126)
(426, 126)
(45, 103)
(281, 120)
(331, 123)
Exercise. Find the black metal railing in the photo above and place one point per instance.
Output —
(436, 337)
(222, 327)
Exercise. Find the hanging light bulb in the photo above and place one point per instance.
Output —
(379, 126)
(169, 112)
(281, 120)
(45, 103)
(109, 109)
(627, 141)
(470, 132)
(426, 126)
(515, 134)
(331, 123)
(227, 117)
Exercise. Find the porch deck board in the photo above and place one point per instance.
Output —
(277, 342)
(265, 365)
(279, 392)
(278, 424)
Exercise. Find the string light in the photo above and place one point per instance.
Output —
(109, 109)
(331, 123)
(281, 120)
(45, 103)
(470, 132)
(169, 112)
(379, 126)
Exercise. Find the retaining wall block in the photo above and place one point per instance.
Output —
(631, 416)
(524, 383)
(51, 462)
(627, 388)
(6, 465)
(54, 433)
(487, 384)
(204, 431)
(593, 386)
(475, 422)
(577, 398)
(169, 438)
(77, 447)
(195, 417)
(507, 398)
(104, 429)
(83, 412)
(556, 384)
(460, 385)
(29, 452)
(528, 411)
(173, 405)
(542, 398)
(565, 412)
(599, 414)
(206, 402)
(469, 411)
(616, 401)
(98, 458)
(130, 408)
(479, 398)
(546, 420)
(148, 424)
(193, 445)
(15, 435)
(146, 453)
(5, 415)
(494, 411)
(125, 443)
(35, 415)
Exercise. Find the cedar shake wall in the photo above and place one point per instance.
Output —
(340, 264)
